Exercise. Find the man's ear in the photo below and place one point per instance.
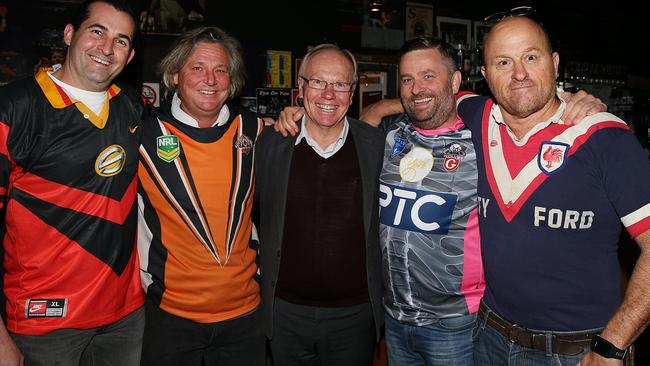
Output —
(131, 54)
(456, 80)
(68, 32)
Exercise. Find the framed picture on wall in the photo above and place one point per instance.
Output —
(419, 20)
(480, 30)
(455, 31)
(278, 69)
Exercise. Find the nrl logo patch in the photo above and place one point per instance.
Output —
(167, 147)
(244, 143)
(551, 156)
(110, 161)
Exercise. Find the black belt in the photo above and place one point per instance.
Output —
(561, 343)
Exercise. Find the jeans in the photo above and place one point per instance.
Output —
(492, 348)
(448, 342)
(116, 344)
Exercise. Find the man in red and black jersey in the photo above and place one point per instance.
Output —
(68, 161)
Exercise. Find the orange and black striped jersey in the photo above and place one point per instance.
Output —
(68, 185)
(196, 196)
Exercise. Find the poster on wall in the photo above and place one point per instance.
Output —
(455, 31)
(480, 30)
(297, 71)
(383, 24)
(419, 20)
(151, 92)
(278, 69)
(271, 101)
(171, 16)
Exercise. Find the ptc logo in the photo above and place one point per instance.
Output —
(110, 161)
(167, 147)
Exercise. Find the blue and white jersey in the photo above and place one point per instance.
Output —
(431, 250)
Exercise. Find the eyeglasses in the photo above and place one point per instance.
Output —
(338, 86)
(519, 11)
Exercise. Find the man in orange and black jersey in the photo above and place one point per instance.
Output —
(196, 195)
(68, 160)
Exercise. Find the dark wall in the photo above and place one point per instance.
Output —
(580, 30)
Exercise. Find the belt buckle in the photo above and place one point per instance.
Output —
(514, 334)
(542, 345)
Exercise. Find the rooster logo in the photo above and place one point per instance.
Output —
(551, 156)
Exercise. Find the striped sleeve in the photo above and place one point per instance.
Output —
(626, 169)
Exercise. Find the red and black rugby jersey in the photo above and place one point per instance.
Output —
(67, 178)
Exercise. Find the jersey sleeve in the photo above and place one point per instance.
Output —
(626, 171)
(470, 109)
(5, 162)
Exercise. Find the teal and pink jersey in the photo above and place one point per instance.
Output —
(429, 234)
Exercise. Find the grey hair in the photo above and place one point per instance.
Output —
(185, 46)
(327, 47)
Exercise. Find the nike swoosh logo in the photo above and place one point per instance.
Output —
(132, 129)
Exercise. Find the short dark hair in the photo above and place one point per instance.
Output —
(425, 43)
(83, 11)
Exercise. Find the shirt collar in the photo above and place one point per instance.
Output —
(330, 150)
(459, 124)
(185, 118)
(497, 115)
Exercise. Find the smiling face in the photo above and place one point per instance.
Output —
(520, 67)
(427, 88)
(326, 108)
(203, 83)
(99, 49)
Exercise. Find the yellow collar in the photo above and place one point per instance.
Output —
(59, 99)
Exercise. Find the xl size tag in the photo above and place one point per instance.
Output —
(45, 308)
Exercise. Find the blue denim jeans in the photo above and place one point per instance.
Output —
(447, 342)
(492, 348)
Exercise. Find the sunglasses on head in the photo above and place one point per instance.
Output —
(519, 11)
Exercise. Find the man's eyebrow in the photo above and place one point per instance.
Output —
(97, 25)
(104, 28)
(122, 35)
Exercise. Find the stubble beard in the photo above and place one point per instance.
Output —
(442, 109)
